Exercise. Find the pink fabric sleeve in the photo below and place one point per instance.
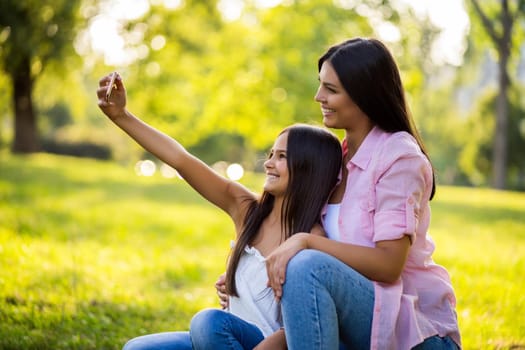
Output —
(399, 192)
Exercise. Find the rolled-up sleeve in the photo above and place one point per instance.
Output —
(399, 192)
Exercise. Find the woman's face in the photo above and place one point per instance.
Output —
(277, 168)
(338, 109)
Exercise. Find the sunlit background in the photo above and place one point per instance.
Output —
(100, 241)
(148, 167)
(226, 76)
(103, 37)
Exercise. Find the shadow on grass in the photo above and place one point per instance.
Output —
(28, 185)
(53, 200)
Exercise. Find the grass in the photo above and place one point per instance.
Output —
(92, 255)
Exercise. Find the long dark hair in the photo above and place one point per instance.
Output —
(314, 159)
(369, 74)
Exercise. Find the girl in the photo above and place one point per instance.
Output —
(301, 171)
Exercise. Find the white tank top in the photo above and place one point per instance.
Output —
(331, 221)
(256, 302)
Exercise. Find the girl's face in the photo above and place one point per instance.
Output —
(338, 109)
(277, 168)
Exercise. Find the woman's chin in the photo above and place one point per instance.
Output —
(328, 122)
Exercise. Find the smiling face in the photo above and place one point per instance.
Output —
(338, 109)
(276, 166)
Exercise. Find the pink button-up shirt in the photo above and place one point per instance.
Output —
(387, 196)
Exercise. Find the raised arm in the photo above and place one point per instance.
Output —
(226, 194)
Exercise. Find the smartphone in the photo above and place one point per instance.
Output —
(111, 86)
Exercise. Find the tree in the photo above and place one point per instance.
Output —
(499, 30)
(475, 157)
(32, 32)
(249, 76)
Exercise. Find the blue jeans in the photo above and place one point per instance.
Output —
(324, 301)
(328, 305)
(214, 329)
(160, 341)
(211, 329)
(437, 343)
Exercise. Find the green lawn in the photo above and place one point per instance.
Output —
(91, 255)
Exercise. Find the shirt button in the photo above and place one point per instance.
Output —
(411, 201)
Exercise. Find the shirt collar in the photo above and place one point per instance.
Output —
(364, 153)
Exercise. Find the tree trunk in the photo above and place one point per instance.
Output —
(26, 138)
(499, 154)
(500, 148)
(503, 44)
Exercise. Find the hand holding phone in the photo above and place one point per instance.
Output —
(111, 86)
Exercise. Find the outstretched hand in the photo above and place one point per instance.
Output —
(115, 105)
(277, 261)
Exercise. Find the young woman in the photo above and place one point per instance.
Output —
(372, 283)
(301, 171)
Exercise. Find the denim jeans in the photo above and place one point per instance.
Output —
(214, 329)
(160, 341)
(210, 329)
(328, 305)
(325, 302)
(437, 343)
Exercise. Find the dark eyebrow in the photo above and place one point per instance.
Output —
(330, 85)
(276, 150)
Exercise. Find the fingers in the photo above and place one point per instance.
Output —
(220, 286)
(223, 299)
(118, 81)
(108, 84)
(104, 81)
(276, 275)
(111, 95)
(111, 85)
(221, 279)
(103, 85)
(277, 261)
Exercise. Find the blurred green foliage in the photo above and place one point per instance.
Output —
(199, 76)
